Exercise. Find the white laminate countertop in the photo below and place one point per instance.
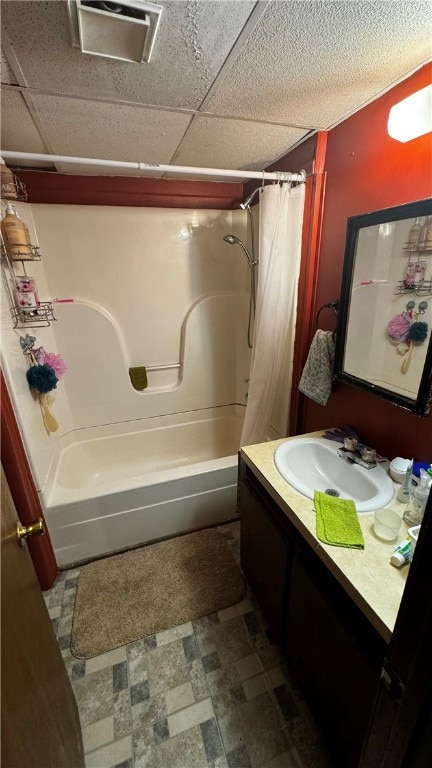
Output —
(367, 576)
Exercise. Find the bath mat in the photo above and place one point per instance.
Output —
(125, 597)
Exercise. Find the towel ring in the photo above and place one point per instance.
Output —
(334, 306)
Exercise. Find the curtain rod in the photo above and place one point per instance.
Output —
(175, 169)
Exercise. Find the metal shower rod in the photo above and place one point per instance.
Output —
(143, 167)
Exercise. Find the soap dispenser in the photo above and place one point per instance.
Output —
(423, 236)
(15, 235)
(413, 236)
(416, 507)
(8, 186)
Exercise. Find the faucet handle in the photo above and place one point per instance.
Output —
(368, 454)
(350, 443)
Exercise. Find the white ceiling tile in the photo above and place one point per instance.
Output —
(212, 142)
(306, 63)
(311, 63)
(18, 131)
(110, 131)
(7, 75)
(193, 39)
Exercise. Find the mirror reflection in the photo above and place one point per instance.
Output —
(384, 340)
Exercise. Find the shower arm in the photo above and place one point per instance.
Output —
(246, 205)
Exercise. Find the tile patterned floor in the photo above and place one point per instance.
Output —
(212, 693)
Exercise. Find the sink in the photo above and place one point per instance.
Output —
(311, 464)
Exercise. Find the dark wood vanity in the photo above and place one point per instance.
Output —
(334, 650)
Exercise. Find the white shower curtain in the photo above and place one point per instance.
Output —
(280, 227)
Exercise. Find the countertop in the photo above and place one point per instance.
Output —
(367, 576)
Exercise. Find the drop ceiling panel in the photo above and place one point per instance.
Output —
(110, 131)
(18, 131)
(311, 63)
(221, 143)
(304, 65)
(192, 42)
(7, 75)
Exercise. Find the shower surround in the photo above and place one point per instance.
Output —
(153, 287)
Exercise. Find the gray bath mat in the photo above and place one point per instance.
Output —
(135, 594)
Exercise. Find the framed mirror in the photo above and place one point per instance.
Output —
(383, 344)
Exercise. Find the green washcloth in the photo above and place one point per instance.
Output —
(337, 522)
(138, 377)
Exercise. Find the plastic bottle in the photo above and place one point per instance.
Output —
(15, 235)
(428, 238)
(404, 492)
(26, 293)
(416, 507)
(423, 235)
(8, 188)
(413, 236)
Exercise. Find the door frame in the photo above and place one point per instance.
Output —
(402, 706)
(23, 489)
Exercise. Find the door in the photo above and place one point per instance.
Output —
(40, 723)
(22, 488)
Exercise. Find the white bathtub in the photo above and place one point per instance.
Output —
(120, 485)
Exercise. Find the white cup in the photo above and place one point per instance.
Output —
(387, 524)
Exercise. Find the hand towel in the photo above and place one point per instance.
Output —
(337, 522)
(138, 377)
(316, 379)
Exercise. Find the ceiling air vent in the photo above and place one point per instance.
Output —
(123, 30)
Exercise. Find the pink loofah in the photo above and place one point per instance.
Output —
(397, 329)
(56, 362)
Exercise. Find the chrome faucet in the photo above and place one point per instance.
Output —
(354, 452)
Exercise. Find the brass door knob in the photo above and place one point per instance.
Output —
(34, 529)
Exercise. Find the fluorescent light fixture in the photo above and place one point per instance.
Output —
(123, 30)
(412, 117)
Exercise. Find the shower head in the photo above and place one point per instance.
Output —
(249, 199)
(233, 240)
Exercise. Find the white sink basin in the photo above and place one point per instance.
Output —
(311, 464)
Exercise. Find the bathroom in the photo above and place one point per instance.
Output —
(356, 160)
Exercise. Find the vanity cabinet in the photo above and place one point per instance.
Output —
(335, 655)
(333, 651)
(266, 551)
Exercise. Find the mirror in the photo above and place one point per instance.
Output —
(383, 343)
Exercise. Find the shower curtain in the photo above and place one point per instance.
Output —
(280, 227)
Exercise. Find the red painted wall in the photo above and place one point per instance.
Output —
(366, 170)
(47, 187)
